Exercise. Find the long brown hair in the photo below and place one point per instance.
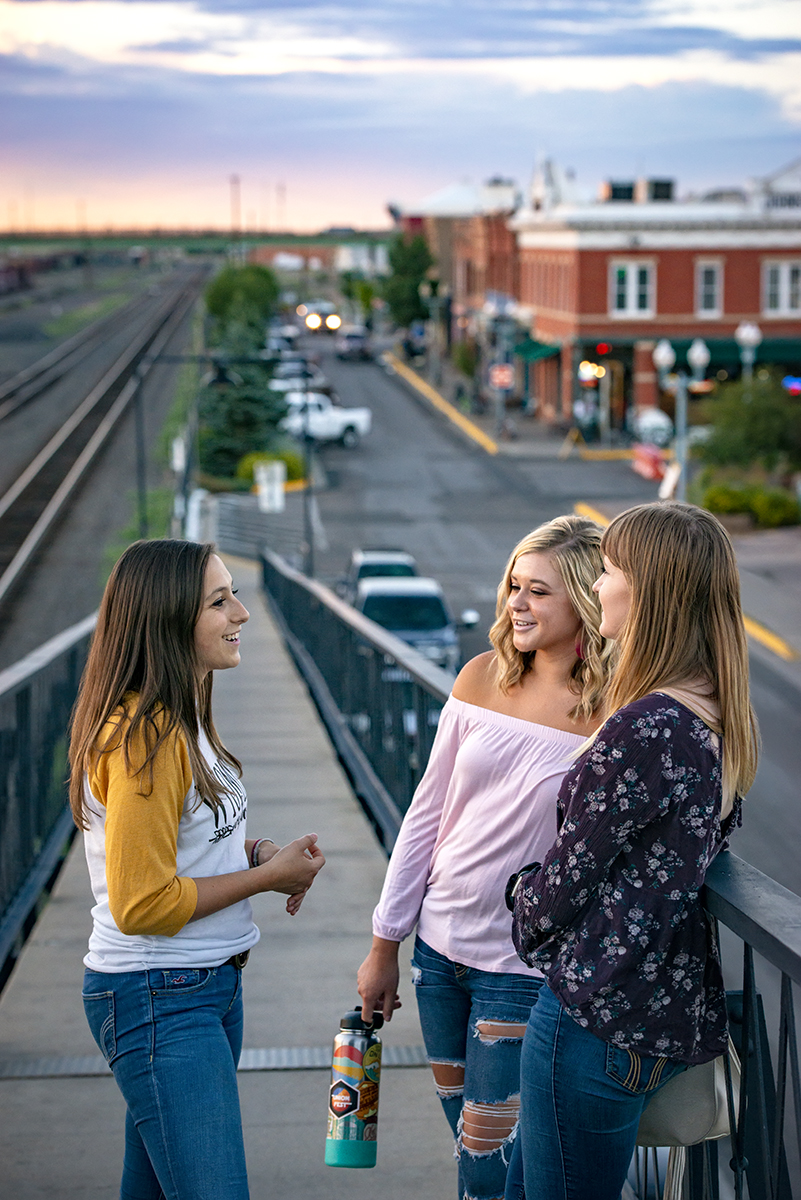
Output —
(142, 672)
(684, 621)
(574, 545)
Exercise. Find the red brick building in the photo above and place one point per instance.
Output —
(607, 280)
(468, 233)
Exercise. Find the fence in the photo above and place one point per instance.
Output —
(380, 701)
(36, 698)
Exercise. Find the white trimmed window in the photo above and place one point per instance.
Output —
(781, 289)
(631, 288)
(708, 290)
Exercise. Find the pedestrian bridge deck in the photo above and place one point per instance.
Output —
(61, 1116)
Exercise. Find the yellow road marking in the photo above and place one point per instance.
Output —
(425, 389)
(592, 514)
(610, 454)
(759, 632)
(770, 640)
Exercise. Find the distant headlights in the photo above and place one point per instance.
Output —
(315, 321)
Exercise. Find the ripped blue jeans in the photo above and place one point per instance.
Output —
(473, 1024)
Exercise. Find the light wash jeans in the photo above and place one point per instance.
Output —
(173, 1039)
(580, 1104)
(463, 1012)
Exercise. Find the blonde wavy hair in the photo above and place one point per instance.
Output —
(684, 621)
(574, 545)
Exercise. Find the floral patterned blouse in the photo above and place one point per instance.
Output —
(613, 916)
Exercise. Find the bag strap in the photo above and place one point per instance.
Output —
(731, 1057)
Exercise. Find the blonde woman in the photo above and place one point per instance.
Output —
(612, 913)
(506, 735)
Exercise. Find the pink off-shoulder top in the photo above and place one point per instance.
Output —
(485, 807)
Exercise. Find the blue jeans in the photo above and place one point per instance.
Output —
(473, 1023)
(173, 1039)
(580, 1104)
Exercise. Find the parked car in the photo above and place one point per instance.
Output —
(324, 420)
(353, 344)
(414, 609)
(290, 375)
(371, 564)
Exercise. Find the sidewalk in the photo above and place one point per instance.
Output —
(61, 1116)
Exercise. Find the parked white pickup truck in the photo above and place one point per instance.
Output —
(326, 422)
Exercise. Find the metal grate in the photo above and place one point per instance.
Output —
(274, 1058)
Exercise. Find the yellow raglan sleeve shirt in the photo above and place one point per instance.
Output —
(146, 895)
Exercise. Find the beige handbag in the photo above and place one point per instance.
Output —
(692, 1107)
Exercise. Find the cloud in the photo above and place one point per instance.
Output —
(356, 104)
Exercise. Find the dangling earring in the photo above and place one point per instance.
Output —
(579, 650)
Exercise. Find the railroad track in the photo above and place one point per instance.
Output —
(26, 385)
(39, 496)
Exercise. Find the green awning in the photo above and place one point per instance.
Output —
(530, 350)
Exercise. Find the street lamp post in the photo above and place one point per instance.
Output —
(748, 337)
(698, 357)
(308, 468)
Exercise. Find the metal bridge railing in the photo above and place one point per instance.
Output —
(379, 698)
(36, 698)
(380, 701)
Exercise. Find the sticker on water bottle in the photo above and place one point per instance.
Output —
(342, 1098)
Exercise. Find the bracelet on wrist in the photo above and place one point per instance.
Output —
(254, 850)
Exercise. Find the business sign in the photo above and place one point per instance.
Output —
(502, 376)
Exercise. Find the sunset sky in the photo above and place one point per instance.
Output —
(136, 112)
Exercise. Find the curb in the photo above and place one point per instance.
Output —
(439, 402)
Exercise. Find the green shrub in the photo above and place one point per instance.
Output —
(774, 506)
(293, 460)
(768, 506)
(726, 498)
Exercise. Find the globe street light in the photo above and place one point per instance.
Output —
(748, 337)
(698, 357)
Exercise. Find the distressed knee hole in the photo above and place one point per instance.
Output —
(486, 1128)
(448, 1078)
(490, 1032)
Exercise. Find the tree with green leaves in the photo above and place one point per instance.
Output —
(756, 422)
(244, 295)
(410, 259)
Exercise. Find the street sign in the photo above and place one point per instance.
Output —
(270, 479)
(502, 376)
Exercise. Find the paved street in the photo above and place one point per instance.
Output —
(418, 484)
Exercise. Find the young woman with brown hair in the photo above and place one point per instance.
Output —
(612, 913)
(163, 812)
(506, 735)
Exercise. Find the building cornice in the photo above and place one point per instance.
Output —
(623, 238)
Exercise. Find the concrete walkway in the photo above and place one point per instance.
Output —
(61, 1116)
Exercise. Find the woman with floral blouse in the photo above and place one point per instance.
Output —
(613, 916)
